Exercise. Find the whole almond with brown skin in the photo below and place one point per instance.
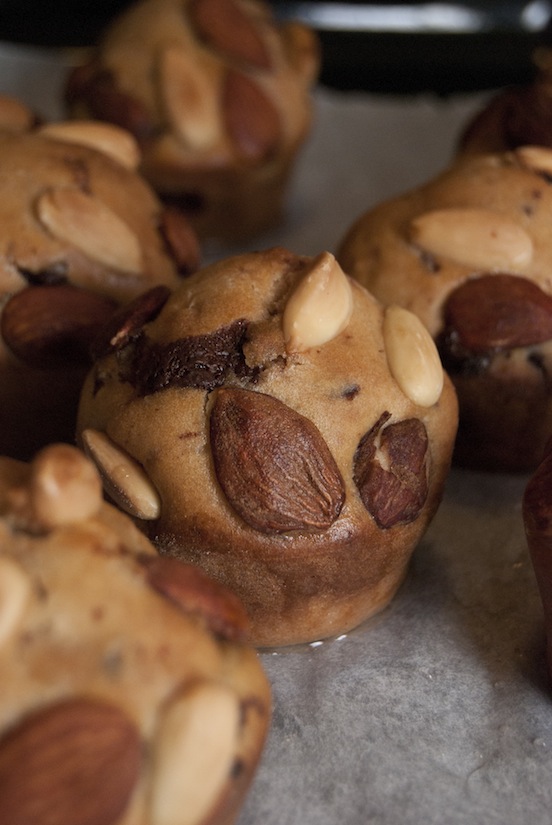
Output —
(72, 763)
(390, 471)
(181, 240)
(51, 325)
(225, 27)
(124, 324)
(498, 312)
(273, 464)
(197, 594)
(251, 119)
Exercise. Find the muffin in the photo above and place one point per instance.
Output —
(219, 97)
(275, 427)
(128, 692)
(469, 253)
(515, 116)
(80, 234)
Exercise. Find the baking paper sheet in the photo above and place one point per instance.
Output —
(438, 711)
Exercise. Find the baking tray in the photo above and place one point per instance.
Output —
(438, 710)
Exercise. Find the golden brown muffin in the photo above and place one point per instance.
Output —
(218, 96)
(470, 254)
(276, 427)
(128, 693)
(515, 116)
(80, 233)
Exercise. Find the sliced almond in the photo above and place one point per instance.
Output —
(476, 238)
(537, 158)
(412, 356)
(320, 306)
(123, 477)
(83, 221)
(118, 143)
(190, 98)
(193, 754)
(65, 486)
(15, 590)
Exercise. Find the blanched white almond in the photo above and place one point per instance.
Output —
(412, 356)
(123, 477)
(85, 222)
(64, 487)
(319, 307)
(15, 590)
(104, 137)
(537, 158)
(476, 238)
(193, 754)
(189, 97)
(15, 116)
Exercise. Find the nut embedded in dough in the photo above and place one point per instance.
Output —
(124, 479)
(319, 307)
(476, 238)
(262, 458)
(198, 729)
(413, 358)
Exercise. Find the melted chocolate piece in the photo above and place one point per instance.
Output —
(198, 361)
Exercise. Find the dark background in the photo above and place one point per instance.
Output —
(441, 60)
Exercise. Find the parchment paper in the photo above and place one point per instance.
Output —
(439, 710)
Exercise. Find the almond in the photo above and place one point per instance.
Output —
(15, 591)
(112, 140)
(190, 99)
(536, 158)
(390, 471)
(225, 26)
(73, 763)
(273, 464)
(181, 240)
(123, 477)
(193, 754)
(83, 221)
(197, 594)
(475, 238)
(251, 119)
(320, 306)
(412, 356)
(64, 486)
(124, 324)
(49, 326)
(498, 312)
